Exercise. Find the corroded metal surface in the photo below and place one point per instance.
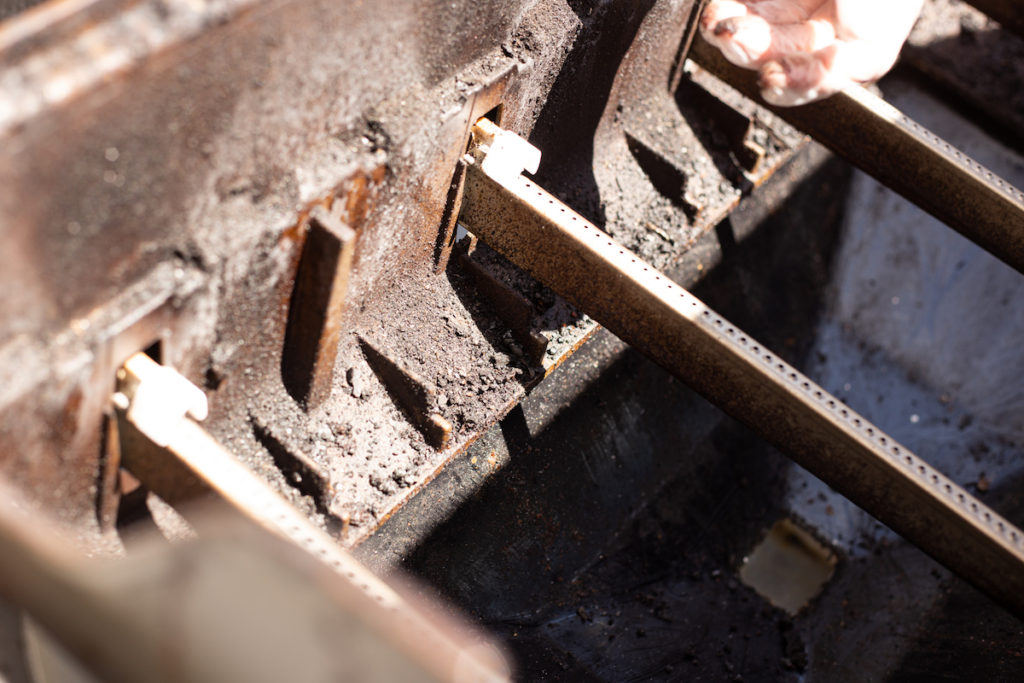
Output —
(168, 182)
(633, 300)
(180, 161)
(183, 148)
(183, 441)
(316, 309)
(881, 141)
(174, 613)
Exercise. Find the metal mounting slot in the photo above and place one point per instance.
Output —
(564, 251)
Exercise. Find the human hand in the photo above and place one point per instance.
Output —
(809, 49)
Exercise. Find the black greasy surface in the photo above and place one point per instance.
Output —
(606, 545)
(974, 63)
(606, 548)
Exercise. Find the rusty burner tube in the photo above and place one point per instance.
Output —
(880, 140)
(634, 301)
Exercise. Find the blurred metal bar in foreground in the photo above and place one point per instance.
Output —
(235, 605)
(159, 402)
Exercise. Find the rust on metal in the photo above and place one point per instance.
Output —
(142, 318)
(356, 197)
(880, 140)
(734, 126)
(515, 310)
(301, 471)
(563, 250)
(437, 431)
(108, 494)
(163, 406)
(665, 173)
(486, 99)
(416, 398)
(317, 305)
(449, 219)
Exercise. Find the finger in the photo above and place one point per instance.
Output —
(720, 10)
(800, 78)
(716, 15)
(796, 79)
(808, 37)
(861, 61)
(751, 41)
(743, 40)
(868, 47)
(786, 11)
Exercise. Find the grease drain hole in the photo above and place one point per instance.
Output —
(789, 567)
